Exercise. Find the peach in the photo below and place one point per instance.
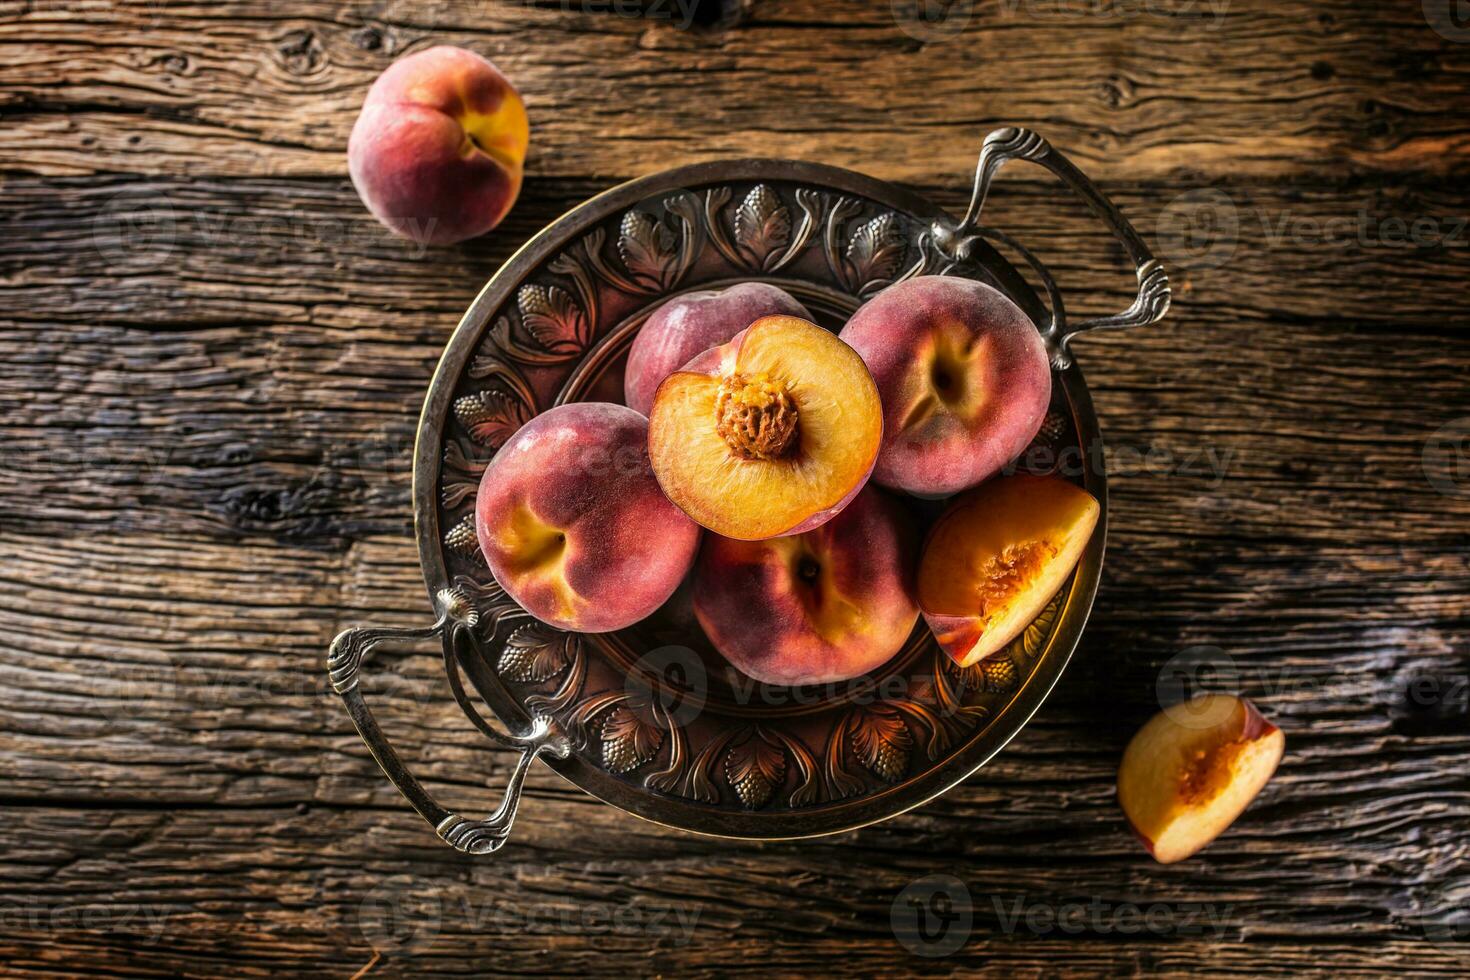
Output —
(436, 153)
(964, 377)
(770, 434)
(1193, 769)
(573, 524)
(995, 558)
(691, 324)
(832, 603)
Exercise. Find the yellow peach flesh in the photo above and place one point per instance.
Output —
(997, 556)
(1182, 782)
(748, 495)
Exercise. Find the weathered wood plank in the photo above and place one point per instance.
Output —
(206, 429)
(1250, 86)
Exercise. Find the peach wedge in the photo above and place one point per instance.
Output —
(770, 434)
(995, 558)
(1193, 769)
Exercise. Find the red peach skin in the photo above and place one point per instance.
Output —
(690, 324)
(964, 377)
(825, 606)
(573, 524)
(437, 152)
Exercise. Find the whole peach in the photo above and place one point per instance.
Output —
(573, 524)
(690, 324)
(813, 608)
(964, 378)
(436, 154)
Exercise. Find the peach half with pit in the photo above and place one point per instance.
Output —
(770, 434)
(1193, 769)
(823, 606)
(964, 377)
(573, 524)
(995, 558)
(691, 324)
(436, 153)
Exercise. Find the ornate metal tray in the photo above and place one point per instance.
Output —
(650, 719)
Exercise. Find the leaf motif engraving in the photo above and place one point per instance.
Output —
(648, 247)
(881, 741)
(534, 653)
(628, 741)
(993, 675)
(552, 318)
(1033, 638)
(875, 252)
(755, 768)
(491, 416)
(762, 226)
(462, 471)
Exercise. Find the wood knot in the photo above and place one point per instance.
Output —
(756, 416)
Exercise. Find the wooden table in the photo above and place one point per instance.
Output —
(211, 367)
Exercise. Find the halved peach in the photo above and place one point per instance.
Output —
(1193, 769)
(995, 558)
(770, 434)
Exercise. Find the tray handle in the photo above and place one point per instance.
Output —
(1015, 143)
(457, 616)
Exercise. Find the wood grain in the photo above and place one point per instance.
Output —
(211, 364)
(1281, 88)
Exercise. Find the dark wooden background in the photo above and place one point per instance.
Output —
(211, 364)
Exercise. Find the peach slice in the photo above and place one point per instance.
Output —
(1193, 769)
(573, 524)
(834, 602)
(997, 556)
(770, 434)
